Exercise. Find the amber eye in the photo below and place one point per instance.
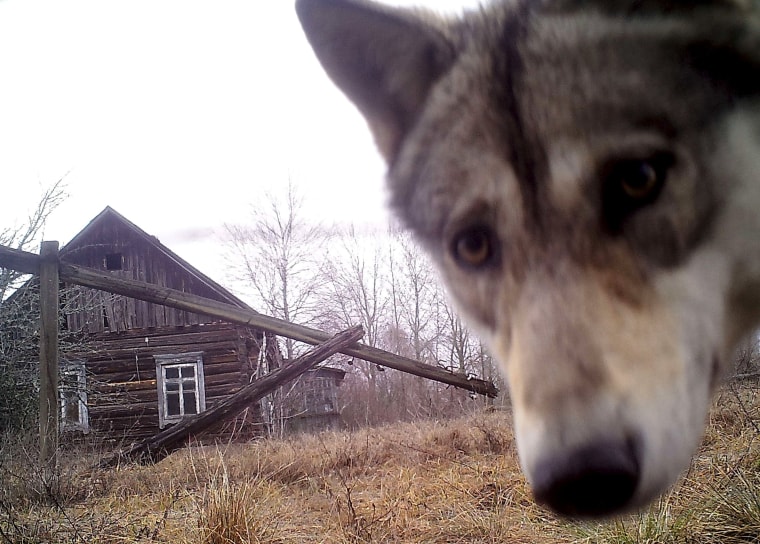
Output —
(474, 247)
(638, 179)
(631, 184)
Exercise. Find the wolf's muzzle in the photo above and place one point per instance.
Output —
(595, 480)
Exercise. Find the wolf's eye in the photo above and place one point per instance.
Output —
(638, 179)
(630, 184)
(474, 247)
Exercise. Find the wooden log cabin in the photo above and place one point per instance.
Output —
(142, 366)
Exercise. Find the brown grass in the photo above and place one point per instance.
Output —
(444, 482)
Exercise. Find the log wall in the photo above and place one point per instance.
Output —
(121, 375)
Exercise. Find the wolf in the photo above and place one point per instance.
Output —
(585, 175)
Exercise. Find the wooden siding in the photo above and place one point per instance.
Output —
(311, 403)
(93, 311)
(121, 374)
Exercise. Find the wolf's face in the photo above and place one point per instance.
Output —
(583, 175)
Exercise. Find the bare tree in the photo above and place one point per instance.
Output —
(460, 347)
(418, 295)
(280, 256)
(27, 234)
(356, 295)
(357, 288)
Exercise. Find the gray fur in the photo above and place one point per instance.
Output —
(514, 122)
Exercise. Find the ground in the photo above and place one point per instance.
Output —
(454, 481)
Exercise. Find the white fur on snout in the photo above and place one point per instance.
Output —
(655, 364)
(659, 361)
(675, 413)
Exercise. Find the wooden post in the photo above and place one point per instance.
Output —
(49, 354)
(157, 447)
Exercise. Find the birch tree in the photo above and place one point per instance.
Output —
(280, 256)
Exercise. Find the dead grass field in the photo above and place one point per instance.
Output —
(431, 482)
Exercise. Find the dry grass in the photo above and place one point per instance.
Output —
(447, 482)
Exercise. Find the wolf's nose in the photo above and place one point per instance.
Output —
(595, 480)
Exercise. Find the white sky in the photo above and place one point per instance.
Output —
(177, 113)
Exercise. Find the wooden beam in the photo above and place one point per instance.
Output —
(23, 261)
(245, 316)
(49, 309)
(193, 303)
(159, 446)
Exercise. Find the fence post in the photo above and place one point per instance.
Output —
(49, 309)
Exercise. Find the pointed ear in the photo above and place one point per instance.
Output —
(384, 59)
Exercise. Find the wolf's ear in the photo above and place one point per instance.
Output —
(384, 59)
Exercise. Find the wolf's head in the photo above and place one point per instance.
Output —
(584, 173)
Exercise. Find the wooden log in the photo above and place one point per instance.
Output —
(211, 353)
(121, 410)
(244, 316)
(148, 372)
(159, 446)
(49, 355)
(23, 261)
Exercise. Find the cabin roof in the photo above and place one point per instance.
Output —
(110, 214)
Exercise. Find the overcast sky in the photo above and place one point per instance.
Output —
(177, 113)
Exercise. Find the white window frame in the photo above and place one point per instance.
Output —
(178, 360)
(76, 372)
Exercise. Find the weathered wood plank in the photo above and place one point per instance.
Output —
(211, 353)
(160, 445)
(22, 261)
(104, 389)
(141, 423)
(49, 309)
(128, 373)
(235, 378)
(147, 393)
(211, 308)
(121, 410)
(223, 390)
(166, 340)
(119, 395)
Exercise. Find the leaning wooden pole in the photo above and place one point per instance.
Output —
(192, 303)
(162, 444)
(49, 354)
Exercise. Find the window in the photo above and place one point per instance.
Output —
(114, 261)
(73, 392)
(181, 390)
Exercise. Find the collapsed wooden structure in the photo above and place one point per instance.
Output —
(164, 342)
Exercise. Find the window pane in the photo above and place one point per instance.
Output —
(172, 372)
(71, 409)
(188, 371)
(188, 385)
(172, 404)
(189, 400)
(172, 386)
